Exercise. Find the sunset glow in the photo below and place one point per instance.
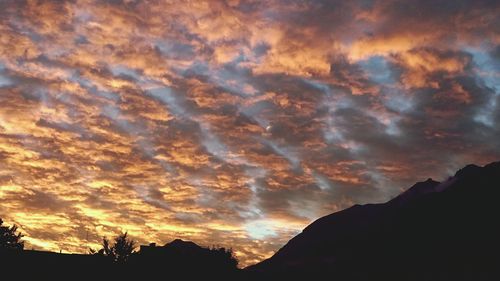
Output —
(234, 123)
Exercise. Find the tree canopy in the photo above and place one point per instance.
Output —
(10, 238)
(120, 251)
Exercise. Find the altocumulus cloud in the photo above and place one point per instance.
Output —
(234, 122)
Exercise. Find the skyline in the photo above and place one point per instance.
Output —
(234, 123)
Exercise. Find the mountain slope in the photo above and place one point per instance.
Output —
(433, 231)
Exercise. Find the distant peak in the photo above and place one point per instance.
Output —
(493, 165)
(467, 170)
(181, 243)
(426, 185)
(178, 241)
(416, 191)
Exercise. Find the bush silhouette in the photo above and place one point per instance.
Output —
(10, 238)
(120, 251)
(224, 255)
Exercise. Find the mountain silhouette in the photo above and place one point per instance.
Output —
(432, 231)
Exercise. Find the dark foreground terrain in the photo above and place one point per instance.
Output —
(433, 231)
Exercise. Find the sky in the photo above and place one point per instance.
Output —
(234, 123)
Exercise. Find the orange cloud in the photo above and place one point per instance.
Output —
(233, 122)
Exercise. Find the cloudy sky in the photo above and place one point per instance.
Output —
(234, 123)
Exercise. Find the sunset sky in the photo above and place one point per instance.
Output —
(234, 123)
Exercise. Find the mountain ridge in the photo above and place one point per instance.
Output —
(437, 218)
(432, 231)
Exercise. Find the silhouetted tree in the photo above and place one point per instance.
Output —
(10, 238)
(225, 256)
(120, 251)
